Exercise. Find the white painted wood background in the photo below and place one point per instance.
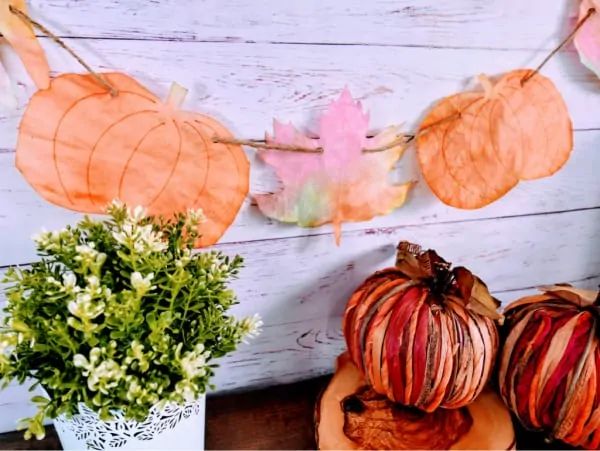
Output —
(246, 62)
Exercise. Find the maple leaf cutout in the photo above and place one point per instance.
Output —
(342, 183)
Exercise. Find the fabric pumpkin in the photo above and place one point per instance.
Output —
(422, 334)
(474, 147)
(550, 366)
(81, 147)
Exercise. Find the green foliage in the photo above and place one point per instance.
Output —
(120, 315)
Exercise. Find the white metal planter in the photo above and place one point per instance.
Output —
(172, 427)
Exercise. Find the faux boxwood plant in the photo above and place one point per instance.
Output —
(119, 314)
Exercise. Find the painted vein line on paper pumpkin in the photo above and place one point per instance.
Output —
(175, 163)
(205, 151)
(227, 146)
(96, 144)
(451, 170)
(473, 116)
(134, 151)
(522, 134)
(58, 129)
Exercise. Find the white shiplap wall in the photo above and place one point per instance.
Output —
(246, 62)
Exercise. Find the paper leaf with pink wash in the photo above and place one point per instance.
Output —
(587, 38)
(21, 37)
(340, 184)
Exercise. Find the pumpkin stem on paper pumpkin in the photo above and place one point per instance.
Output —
(177, 94)
(99, 78)
(488, 87)
(583, 20)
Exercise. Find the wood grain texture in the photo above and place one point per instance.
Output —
(527, 24)
(246, 85)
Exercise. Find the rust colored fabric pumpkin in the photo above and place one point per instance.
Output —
(421, 333)
(473, 147)
(80, 147)
(550, 366)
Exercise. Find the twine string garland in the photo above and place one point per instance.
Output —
(27, 19)
(402, 139)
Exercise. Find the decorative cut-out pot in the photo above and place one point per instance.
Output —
(172, 427)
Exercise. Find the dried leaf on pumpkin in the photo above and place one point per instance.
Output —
(340, 184)
(21, 37)
(81, 147)
(587, 38)
(474, 147)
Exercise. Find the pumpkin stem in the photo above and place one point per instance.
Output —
(176, 96)
(425, 265)
(487, 85)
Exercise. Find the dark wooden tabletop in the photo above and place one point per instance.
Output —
(275, 418)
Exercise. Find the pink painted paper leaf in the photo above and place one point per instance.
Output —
(340, 184)
(587, 39)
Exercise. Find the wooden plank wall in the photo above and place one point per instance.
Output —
(246, 62)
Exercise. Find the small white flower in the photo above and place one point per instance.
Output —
(115, 204)
(93, 286)
(80, 361)
(41, 237)
(134, 390)
(185, 389)
(102, 376)
(69, 280)
(138, 214)
(140, 283)
(7, 343)
(193, 363)
(83, 307)
(195, 217)
(53, 281)
(69, 283)
(252, 327)
(85, 250)
(105, 376)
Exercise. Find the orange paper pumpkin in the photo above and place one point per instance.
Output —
(474, 147)
(80, 147)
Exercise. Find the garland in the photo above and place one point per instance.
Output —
(466, 146)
